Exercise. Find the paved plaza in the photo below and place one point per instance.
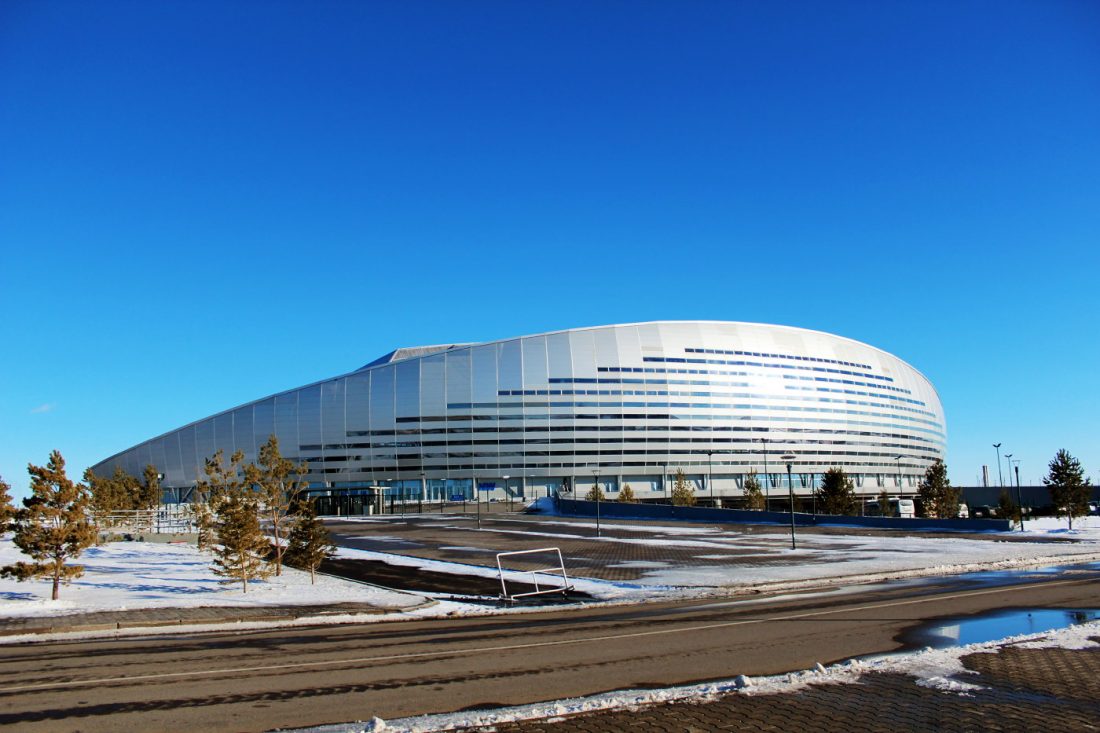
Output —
(630, 550)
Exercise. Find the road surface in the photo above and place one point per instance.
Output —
(255, 681)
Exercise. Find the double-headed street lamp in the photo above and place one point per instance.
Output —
(790, 491)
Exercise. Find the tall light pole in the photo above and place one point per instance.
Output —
(767, 481)
(901, 489)
(507, 490)
(1019, 495)
(477, 500)
(596, 491)
(1000, 477)
(710, 474)
(790, 491)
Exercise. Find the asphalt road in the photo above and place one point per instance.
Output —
(256, 681)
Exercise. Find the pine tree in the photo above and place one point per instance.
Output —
(7, 511)
(309, 544)
(938, 497)
(626, 496)
(836, 492)
(53, 526)
(595, 493)
(105, 491)
(1068, 487)
(754, 496)
(682, 493)
(1007, 507)
(202, 516)
(279, 480)
(148, 491)
(884, 507)
(242, 547)
(221, 482)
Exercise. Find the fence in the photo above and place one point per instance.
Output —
(618, 510)
(166, 519)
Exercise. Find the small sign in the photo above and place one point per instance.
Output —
(458, 497)
(486, 486)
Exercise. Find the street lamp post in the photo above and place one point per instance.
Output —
(710, 474)
(477, 501)
(1019, 496)
(508, 491)
(1000, 476)
(767, 480)
(596, 491)
(790, 491)
(901, 488)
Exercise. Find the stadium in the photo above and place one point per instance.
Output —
(556, 412)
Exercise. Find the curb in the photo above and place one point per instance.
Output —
(183, 623)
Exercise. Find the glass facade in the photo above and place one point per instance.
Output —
(631, 403)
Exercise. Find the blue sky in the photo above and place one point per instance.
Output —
(202, 203)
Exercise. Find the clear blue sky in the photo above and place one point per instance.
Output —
(202, 203)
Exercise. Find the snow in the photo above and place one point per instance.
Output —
(1083, 527)
(939, 669)
(147, 575)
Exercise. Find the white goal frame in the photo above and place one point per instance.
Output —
(540, 589)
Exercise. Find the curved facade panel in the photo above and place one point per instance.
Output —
(633, 403)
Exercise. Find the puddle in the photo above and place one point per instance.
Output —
(997, 625)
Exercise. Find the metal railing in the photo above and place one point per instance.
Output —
(167, 519)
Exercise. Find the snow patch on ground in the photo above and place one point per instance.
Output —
(120, 576)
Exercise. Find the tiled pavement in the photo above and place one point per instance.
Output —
(454, 537)
(1026, 690)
